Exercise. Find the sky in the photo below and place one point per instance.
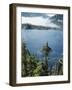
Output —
(44, 15)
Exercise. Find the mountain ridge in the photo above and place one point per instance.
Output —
(30, 26)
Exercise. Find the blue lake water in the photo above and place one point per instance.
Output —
(36, 39)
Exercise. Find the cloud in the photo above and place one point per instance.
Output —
(50, 15)
(29, 14)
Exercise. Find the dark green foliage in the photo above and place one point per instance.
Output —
(30, 64)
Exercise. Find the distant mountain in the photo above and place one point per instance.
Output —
(30, 26)
(57, 19)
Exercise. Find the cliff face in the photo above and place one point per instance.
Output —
(30, 26)
(58, 20)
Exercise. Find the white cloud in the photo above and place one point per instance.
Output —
(50, 15)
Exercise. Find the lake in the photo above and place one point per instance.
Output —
(36, 39)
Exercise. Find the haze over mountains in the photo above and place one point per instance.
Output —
(42, 21)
